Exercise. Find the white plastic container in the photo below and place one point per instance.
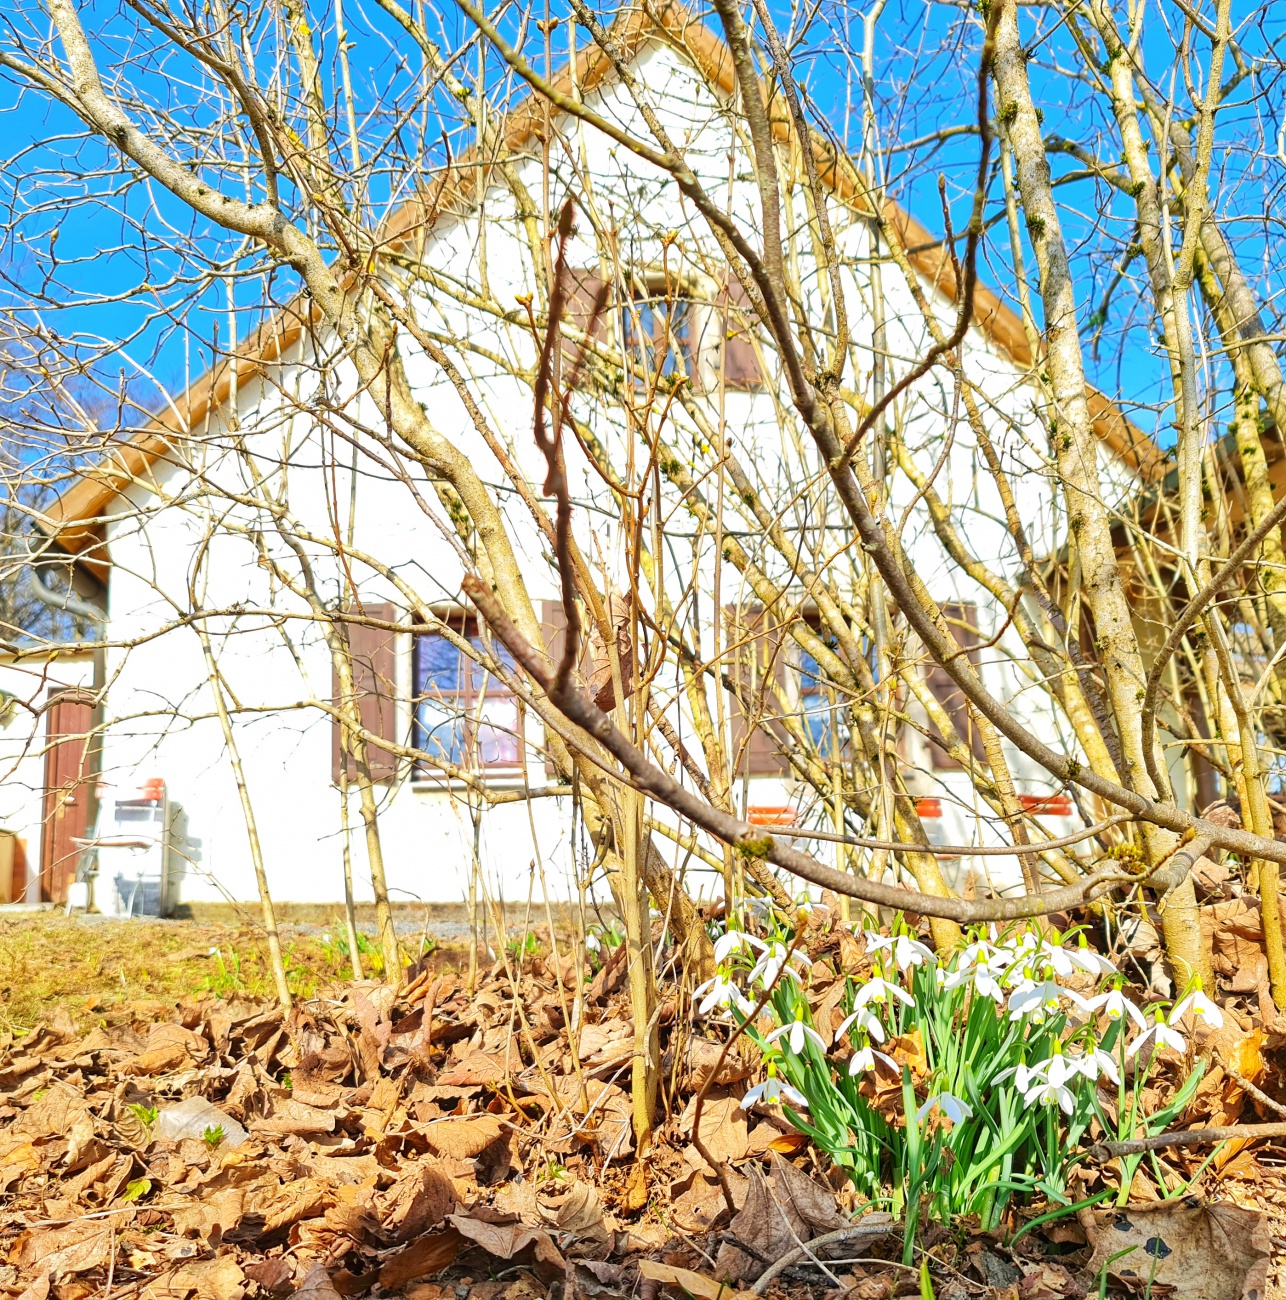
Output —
(193, 1117)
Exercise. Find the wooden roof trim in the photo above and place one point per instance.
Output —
(454, 192)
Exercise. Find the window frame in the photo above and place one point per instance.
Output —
(468, 724)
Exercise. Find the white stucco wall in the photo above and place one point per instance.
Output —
(161, 720)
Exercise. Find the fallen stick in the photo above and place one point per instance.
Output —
(1191, 1137)
(793, 1256)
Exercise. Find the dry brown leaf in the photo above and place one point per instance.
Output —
(778, 1214)
(505, 1240)
(418, 1201)
(421, 1258)
(58, 1252)
(212, 1216)
(703, 1057)
(723, 1125)
(275, 1274)
(305, 1198)
(476, 1069)
(1198, 1251)
(464, 1138)
(316, 1285)
(291, 1116)
(698, 1200)
(210, 1279)
(690, 1283)
(17, 1160)
(573, 1207)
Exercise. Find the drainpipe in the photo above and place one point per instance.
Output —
(69, 602)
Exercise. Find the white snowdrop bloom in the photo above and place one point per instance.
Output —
(760, 908)
(880, 990)
(720, 991)
(875, 941)
(797, 1034)
(592, 942)
(987, 985)
(1161, 1034)
(1197, 1002)
(1024, 1075)
(908, 952)
(1093, 963)
(864, 1060)
(1115, 1004)
(1043, 998)
(953, 1108)
(805, 905)
(1095, 1065)
(736, 941)
(773, 961)
(1059, 1068)
(864, 1018)
(773, 1091)
(1049, 1094)
(1058, 959)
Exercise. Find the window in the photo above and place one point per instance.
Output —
(464, 714)
(822, 710)
(660, 334)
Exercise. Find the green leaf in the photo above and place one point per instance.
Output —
(137, 1189)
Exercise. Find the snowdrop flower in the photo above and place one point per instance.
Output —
(1091, 962)
(908, 952)
(904, 950)
(771, 964)
(735, 941)
(592, 942)
(1095, 1065)
(880, 990)
(864, 1019)
(864, 1059)
(1197, 1001)
(759, 908)
(953, 1108)
(721, 992)
(773, 1091)
(1058, 959)
(987, 985)
(799, 1033)
(1059, 1068)
(1161, 1034)
(1050, 1093)
(1115, 1005)
(1043, 999)
(805, 905)
(1024, 1075)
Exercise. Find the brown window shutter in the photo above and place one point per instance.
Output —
(741, 369)
(587, 311)
(754, 660)
(949, 695)
(374, 654)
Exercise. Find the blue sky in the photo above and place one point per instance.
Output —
(112, 239)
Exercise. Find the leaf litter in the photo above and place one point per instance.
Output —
(441, 1143)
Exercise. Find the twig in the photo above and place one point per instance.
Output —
(576, 705)
(1257, 1093)
(826, 1239)
(1191, 1137)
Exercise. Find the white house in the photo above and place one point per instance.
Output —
(175, 524)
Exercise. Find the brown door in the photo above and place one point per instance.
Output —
(68, 791)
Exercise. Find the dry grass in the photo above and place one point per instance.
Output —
(86, 964)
